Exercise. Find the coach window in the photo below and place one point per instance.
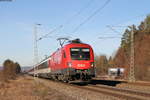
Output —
(46, 64)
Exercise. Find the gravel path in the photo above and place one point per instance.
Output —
(76, 93)
(134, 87)
(26, 88)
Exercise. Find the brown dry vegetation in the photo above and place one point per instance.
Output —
(142, 56)
(25, 88)
(101, 64)
(15, 86)
(122, 57)
(142, 51)
(10, 71)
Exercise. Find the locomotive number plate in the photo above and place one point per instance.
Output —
(81, 65)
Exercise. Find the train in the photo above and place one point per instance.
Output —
(72, 62)
(116, 72)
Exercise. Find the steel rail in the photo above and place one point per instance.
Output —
(107, 90)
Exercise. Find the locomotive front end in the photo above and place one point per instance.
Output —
(81, 62)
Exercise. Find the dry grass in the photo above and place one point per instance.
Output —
(25, 88)
(134, 87)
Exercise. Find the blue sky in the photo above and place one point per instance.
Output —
(17, 20)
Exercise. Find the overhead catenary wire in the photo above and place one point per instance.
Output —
(108, 37)
(123, 26)
(46, 35)
(79, 12)
(118, 24)
(68, 20)
(91, 16)
(111, 27)
(130, 19)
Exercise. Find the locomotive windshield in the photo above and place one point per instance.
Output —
(80, 53)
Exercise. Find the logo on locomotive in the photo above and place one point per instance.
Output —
(81, 65)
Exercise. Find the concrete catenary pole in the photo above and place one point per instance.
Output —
(132, 58)
(35, 48)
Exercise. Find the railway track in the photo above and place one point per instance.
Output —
(139, 84)
(119, 92)
(126, 94)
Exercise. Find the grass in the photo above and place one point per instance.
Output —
(25, 88)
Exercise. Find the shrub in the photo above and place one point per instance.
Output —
(10, 70)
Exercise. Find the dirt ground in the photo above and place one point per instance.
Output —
(134, 87)
(25, 88)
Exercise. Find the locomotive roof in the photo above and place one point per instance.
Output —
(69, 44)
(76, 44)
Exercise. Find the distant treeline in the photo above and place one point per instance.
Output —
(10, 70)
(122, 56)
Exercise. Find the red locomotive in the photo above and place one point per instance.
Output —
(73, 61)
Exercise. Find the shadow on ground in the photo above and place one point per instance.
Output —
(106, 82)
(99, 82)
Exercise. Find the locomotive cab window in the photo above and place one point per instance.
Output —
(80, 53)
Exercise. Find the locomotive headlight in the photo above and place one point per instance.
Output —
(69, 64)
(92, 64)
